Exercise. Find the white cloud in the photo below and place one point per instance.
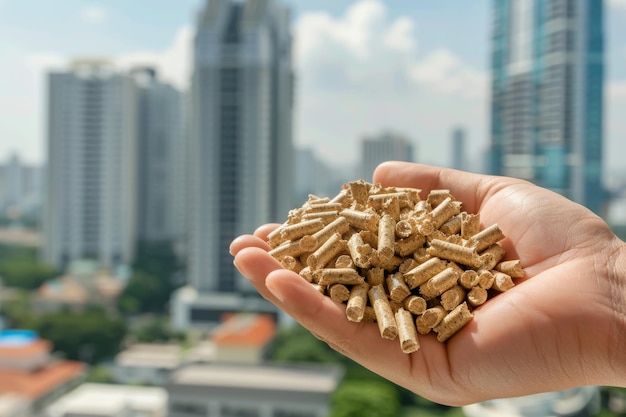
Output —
(362, 72)
(617, 4)
(94, 14)
(173, 63)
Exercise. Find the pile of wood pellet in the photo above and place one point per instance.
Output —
(412, 265)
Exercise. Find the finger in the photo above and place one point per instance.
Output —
(247, 241)
(256, 264)
(469, 188)
(327, 320)
(264, 230)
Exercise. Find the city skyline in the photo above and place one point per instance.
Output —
(433, 79)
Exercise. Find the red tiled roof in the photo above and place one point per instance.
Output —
(252, 331)
(36, 347)
(33, 385)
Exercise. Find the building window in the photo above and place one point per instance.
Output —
(237, 411)
(190, 409)
(292, 413)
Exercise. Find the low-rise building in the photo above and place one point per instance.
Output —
(14, 406)
(147, 364)
(108, 400)
(228, 390)
(243, 338)
(29, 371)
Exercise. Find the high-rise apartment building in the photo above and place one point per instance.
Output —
(241, 150)
(90, 194)
(160, 158)
(380, 148)
(547, 99)
(459, 156)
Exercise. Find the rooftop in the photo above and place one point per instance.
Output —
(250, 330)
(285, 378)
(33, 385)
(107, 399)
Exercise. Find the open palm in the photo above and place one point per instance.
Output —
(562, 326)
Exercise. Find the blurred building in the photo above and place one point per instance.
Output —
(90, 194)
(82, 286)
(252, 390)
(241, 150)
(160, 158)
(575, 402)
(314, 176)
(547, 98)
(147, 363)
(380, 148)
(20, 187)
(459, 157)
(31, 374)
(106, 400)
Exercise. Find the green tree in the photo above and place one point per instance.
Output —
(89, 336)
(150, 286)
(20, 268)
(297, 344)
(365, 399)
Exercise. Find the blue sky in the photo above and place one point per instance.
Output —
(420, 68)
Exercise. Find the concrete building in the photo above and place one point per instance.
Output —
(160, 143)
(90, 193)
(458, 150)
(147, 364)
(383, 147)
(105, 400)
(575, 402)
(221, 390)
(547, 95)
(20, 187)
(241, 151)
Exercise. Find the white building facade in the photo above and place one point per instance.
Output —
(90, 193)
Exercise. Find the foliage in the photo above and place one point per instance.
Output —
(155, 330)
(20, 268)
(100, 374)
(150, 286)
(90, 336)
(297, 344)
(365, 399)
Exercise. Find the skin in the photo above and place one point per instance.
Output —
(562, 326)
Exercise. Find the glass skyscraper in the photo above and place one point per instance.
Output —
(547, 95)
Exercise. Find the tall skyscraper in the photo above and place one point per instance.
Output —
(160, 144)
(240, 139)
(459, 158)
(383, 147)
(547, 99)
(90, 194)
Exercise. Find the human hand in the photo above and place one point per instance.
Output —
(564, 325)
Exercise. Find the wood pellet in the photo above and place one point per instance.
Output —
(413, 265)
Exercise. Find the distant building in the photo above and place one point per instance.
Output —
(252, 390)
(106, 400)
(30, 372)
(575, 402)
(459, 156)
(547, 95)
(380, 148)
(82, 286)
(147, 363)
(90, 193)
(243, 338)
(241, 151)
(160, 144)
(20, 187)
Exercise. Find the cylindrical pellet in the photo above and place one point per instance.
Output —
(407, 333)
(356, 302)
(453, 322)
(384, 316)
